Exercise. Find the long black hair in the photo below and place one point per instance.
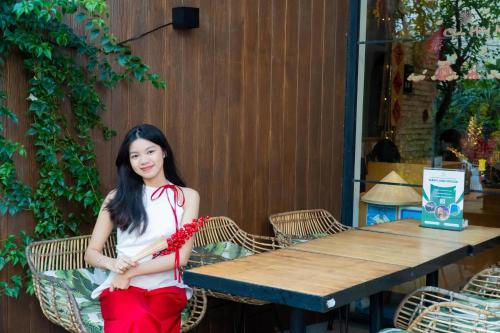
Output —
(127, 208)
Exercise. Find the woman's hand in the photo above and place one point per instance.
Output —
(120, 282)
(121, 264)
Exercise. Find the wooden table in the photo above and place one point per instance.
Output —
(476, 237)
(329, 272)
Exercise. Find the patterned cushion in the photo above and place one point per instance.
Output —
(304, 239)
(82, 282)
(217, 252)
(393, 330)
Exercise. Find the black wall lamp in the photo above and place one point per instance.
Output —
(183, 18)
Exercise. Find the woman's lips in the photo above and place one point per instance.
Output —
(146, 169)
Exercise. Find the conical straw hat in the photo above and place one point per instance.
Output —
(394, 195)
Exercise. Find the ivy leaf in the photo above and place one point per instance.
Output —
(94, 33)
(89, 25)
(80, 17)
(12, 292)
(123, 59)
(47, 53)
(16, 279)
(13, 210)
(2, 263)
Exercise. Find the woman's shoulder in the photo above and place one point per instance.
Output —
(190, 193)
(110, 196)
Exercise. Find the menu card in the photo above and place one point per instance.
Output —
(443, 199)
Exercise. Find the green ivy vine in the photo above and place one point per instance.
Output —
(64, 69)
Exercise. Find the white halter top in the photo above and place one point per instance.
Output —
(161, 222)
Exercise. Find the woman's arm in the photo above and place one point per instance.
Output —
(167, 262)
(102, 229)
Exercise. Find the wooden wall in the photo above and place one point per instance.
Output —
(253, 109)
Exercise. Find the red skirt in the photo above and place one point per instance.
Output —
(137, 310)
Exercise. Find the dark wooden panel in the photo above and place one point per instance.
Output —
(328, 191)
(338, 82)
(314, 99)
(253, 110)
(221, 165)
(303, 108)
(276, 133)
(202, 133)
(261, 162)
(235, 94)
(290, 108)
(249, 117)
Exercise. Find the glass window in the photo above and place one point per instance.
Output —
(429, 96)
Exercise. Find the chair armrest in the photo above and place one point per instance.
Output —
(259, 244)
(57, 302)
(197, 307)
(423, 298)
(455, 317)
(485, 283)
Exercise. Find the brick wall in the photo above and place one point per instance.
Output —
(414, 133)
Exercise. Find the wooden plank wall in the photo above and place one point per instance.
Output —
(253, 109)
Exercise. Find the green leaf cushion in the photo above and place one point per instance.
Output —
(82, 282)
(393, 330)
(217, 252)
(302, 239)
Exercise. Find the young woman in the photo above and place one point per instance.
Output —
(149, 201)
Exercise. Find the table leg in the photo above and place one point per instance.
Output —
(297, 323)
(376, 309)
(432, 279)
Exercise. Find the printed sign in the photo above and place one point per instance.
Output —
(377, 214)
(443, 199)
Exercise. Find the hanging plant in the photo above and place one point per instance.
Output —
(67, 190)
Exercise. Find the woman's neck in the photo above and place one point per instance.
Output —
(156, 182)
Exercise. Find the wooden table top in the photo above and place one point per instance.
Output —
(341, 267)
(386, 248)
(477, 237)
(305, 280)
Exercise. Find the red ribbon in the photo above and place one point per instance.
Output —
(157, 194)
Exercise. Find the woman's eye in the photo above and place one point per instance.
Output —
(133, 156)
(151, 152)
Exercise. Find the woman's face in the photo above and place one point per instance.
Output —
(146, 159)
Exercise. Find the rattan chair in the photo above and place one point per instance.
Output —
(453, 317)
(222, 229)
(423, 298)
(481, 292)
(485, 284)
(290, 227)
(57, 299)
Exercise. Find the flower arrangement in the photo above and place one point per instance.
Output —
(444, 72)
(476, 146)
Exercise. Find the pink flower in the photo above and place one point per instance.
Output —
(472, 74)
(444, 72)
